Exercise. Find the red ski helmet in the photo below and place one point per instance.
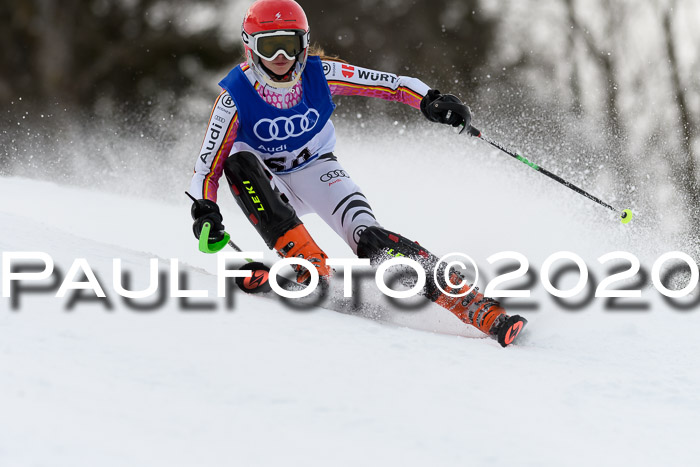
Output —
(271, 28)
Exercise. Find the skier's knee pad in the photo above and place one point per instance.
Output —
(270, 214)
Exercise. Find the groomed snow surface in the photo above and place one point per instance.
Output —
(262, 384)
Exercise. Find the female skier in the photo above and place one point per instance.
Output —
(271, 135)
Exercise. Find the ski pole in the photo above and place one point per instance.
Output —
(625, 215)
(206, 247)
(238, 249)
(257, 283)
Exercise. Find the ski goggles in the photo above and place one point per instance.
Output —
(269, 45)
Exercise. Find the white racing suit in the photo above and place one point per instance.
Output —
(312, 180)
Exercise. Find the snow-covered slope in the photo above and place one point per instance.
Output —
(262, 384)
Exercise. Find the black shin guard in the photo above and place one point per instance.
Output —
(380, 245)
(269, 213)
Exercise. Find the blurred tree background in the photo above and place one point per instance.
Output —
(603, 92)
(120, 54)
(87, 53)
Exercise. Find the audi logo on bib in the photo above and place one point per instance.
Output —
(282, 128)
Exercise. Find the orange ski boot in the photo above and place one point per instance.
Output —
(297, 243)
(485, 314)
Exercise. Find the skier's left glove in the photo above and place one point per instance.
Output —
(445, 108)
(204, 210)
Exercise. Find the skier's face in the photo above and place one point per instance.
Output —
(279, 65)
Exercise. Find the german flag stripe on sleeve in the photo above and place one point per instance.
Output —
(211, 181)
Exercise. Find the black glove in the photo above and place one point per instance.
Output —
(204, 210)
(445, 108)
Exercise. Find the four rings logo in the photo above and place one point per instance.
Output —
(282, 128)
(327, 177)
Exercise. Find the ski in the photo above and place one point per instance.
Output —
(506, 331)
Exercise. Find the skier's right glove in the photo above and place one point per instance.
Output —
(445, 108)
(204, 210)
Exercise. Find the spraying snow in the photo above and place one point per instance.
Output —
(196, 383)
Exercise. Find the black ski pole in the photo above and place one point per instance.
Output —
(625, 215)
